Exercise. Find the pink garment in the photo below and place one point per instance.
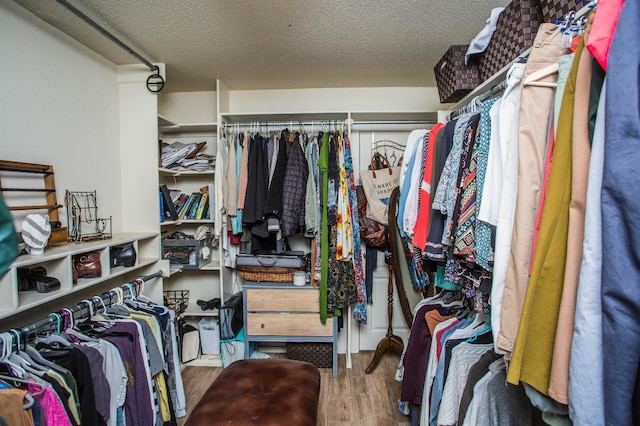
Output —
(602, 29)
(52, 408)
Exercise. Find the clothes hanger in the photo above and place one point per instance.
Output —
(56, 337)
(11, 381)
(7, 350)
(532, 79)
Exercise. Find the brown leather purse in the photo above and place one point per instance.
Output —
(87, 265)
(372, 233)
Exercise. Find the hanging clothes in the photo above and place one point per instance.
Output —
(533, 350)
(620, 207)
(501, 202)
(295, 182)
(535, 108)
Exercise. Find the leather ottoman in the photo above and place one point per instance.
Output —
(261, 392)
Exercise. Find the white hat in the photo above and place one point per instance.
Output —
(36, 230)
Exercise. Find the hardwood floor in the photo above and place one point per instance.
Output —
(352, 398)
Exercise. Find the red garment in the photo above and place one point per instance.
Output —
(543, 193)
(421, 227)
(603, 26)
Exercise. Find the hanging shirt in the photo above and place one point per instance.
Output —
(488, 134)
(221, 160)
(414, 141)
(344, 244)
(421, 226)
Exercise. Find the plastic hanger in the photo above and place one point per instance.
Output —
(532, 79)
(7, 342)
(13, 380)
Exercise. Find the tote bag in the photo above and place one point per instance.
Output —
(378, 185)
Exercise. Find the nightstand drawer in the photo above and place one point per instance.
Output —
(288, 325)
(294, 300)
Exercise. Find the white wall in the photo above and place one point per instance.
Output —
(59, 106)
(358, 99)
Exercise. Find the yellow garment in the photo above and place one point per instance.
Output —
(533, 350)
(161, 385)
(71, 400)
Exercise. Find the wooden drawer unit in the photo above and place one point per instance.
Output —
(285, 324)
(284, 313)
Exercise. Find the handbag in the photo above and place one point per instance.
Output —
(378, 183)
(372, 233)
(231, 317)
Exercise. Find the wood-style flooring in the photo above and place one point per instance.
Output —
(352, 398)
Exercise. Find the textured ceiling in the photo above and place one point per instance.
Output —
(277, 44)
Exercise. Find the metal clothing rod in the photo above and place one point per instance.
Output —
(320, 123)
(25, 331)
(108, 35)
(477, 100)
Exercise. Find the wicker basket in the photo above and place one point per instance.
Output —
(453, 78)
(552, 10)
(266, 276)
(515, 32)
(273, 274)
(319, 354)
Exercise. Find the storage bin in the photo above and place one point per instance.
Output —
(515, 32)
(552, 10)
(453, 78)
(186, 253)
(319, 354)
(233, 349)
(209, 336)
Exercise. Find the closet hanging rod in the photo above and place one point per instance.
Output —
(107, 34)
(477, 100)
(322, 123)
(26, 330)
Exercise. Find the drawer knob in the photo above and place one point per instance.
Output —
(261, 325)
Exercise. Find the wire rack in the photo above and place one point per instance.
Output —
(176, 300)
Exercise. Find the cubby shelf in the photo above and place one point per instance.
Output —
(59, 263)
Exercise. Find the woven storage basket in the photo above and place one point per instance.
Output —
(453, 77)
(266, 274)
(317, 353)
(552, 10)
(515, 32)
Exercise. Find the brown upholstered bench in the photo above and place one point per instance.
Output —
(261, 392)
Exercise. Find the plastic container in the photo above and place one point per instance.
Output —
(209, 336)
(299, 278)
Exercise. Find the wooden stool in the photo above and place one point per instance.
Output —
(261, 392)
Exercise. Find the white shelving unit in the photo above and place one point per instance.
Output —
(58, 261)
(207, 281)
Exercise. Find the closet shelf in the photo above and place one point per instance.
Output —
(58, 262)
(205, 361)
(167, 126)
(293, 117)
(183, 172)
(193, 310)
(214, 265)
(185, 221)
(489, 83)
(70, 249)
(30, 300)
